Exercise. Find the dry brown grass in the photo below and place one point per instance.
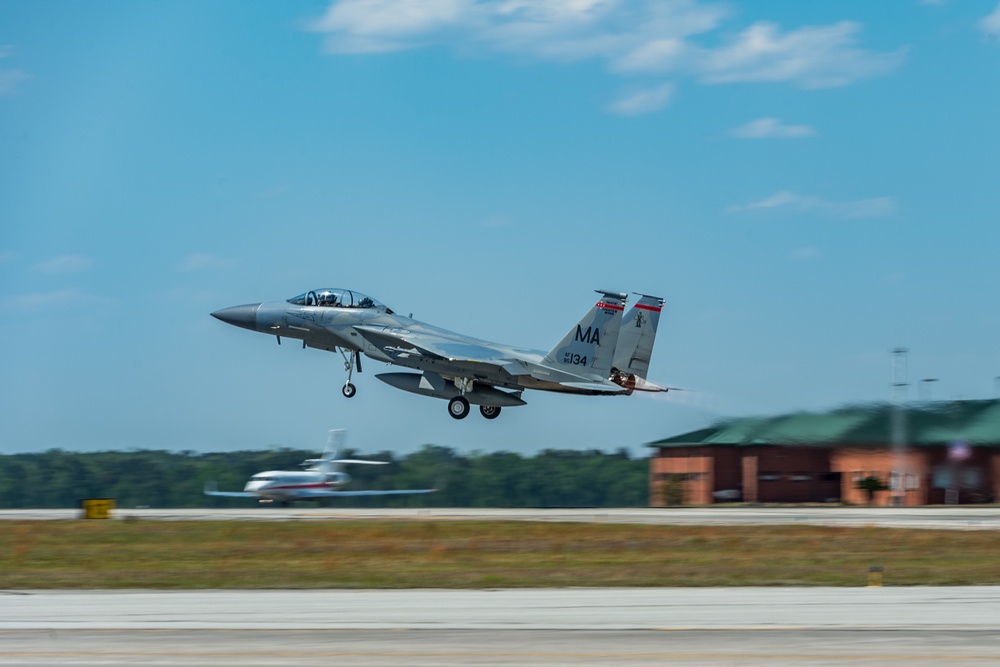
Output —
(469, 554)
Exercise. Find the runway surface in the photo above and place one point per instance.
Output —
(704, 627)
(948, 518)
(780, 627)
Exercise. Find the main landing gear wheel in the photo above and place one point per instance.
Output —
(349, 390)
(458, 407)
(489, 411)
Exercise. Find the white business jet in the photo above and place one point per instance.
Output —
(321, 478)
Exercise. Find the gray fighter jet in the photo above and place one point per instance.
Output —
(603, 354)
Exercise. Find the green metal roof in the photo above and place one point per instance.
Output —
(976, 422)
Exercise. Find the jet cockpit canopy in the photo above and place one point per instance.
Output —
(336, 298)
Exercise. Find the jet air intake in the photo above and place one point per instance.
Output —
(432, 384)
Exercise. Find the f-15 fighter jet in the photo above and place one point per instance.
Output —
(603, 354)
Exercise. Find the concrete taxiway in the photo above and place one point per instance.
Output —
(706, 627)
(947, 518)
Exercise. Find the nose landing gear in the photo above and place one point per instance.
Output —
(350, 361)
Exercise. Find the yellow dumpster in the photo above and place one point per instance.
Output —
(97, 508)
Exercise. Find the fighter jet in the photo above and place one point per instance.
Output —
(603, 354)
(320, 479)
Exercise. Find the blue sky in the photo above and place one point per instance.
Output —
(807, 184)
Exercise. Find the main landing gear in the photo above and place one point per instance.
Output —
(489, 411)
(350, 361)
(458, 408)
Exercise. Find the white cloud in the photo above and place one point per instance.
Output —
(764, 128)
(776, 200)
(10, 78)
(643, 101)
(61, 297)
(204, 261)
(631, 37)
(555, 29)
(375, 26)
(64, 264)
(876, 207)
(990, 24)
(805, 254)
(810, 57)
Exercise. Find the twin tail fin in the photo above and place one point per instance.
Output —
(589, 347)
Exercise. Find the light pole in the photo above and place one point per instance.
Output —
(898, 463)
(924, 388)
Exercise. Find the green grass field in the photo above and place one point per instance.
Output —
(472, 554)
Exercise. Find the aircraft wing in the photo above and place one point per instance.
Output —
(306, 494)
(401, 344)
(404, 345)
(231, 494)
(398, 345)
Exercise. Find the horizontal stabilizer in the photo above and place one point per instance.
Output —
(596, 387)
(635, 383)
(642, 384)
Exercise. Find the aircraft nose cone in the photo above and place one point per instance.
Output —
(239, 316)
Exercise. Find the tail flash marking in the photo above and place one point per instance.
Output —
(609, 306)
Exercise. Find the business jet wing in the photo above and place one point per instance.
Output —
(212, 490)
(307, 494)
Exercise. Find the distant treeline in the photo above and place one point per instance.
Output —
(161, 479)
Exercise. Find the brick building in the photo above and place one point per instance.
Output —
(950, 453)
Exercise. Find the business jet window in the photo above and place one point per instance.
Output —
(335, 298)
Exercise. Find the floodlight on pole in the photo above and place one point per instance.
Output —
(924, 389)
(897, 475)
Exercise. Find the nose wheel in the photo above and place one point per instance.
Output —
(350, 362)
